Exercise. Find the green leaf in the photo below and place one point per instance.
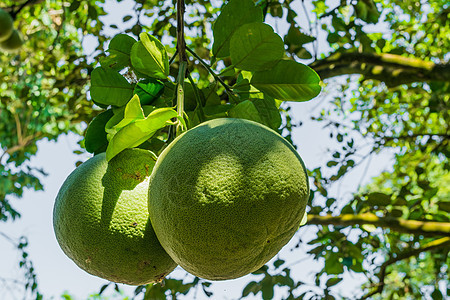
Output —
(245, 110)
(436, 294)
(252, 287)
(149, 90)
(378, 199)
(295, 37)
(255, 47)
(119, 52)
(95, 140)
(333, 281)
(276, 10)
(278, 263)
(132, 112)
(289, 81)
(149, 57)
(333, 37)
(134, 134)
(109, 87)
(243, 87)
(268, 112)
(216, 111)
(332, 163)
(154, 292)
(267, 288)
(234, 14)
(302, 53)
(332, 264)
(263, 111)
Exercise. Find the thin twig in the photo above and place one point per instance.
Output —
(216, 77)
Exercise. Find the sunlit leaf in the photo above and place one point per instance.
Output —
(234, 14)
(119, 52)
(255, 47)
(109, 87)
(134, 134)
(288, 81)
(149, 57)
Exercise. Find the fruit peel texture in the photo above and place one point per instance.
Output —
(101, 220)
(6, 25)
(226, 196)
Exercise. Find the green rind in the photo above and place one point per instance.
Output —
(226, 196)
(14, 42)
(101, 221)
(6, 25)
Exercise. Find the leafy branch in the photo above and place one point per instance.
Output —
(439, 243)
(427, 228)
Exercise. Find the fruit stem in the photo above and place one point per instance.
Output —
(181, 49)
(180, 94)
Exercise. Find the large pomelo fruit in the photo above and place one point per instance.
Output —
(14, 41)
(6, 25)
(226, 196)
(101, 219)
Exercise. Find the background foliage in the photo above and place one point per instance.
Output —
(386, 71)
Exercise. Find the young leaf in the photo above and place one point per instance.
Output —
(289, 81)
(255, 47)
(234, 14)
(134, 134)
(133, 111)
(109, 87)
(95, 140)
(119, 52)
(149, 57)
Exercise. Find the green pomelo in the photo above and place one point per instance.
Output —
(101, 220)
(13, 42)
(6, 25)
(226, 196)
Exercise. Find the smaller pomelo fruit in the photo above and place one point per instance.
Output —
(6, 25)
(101, 219)
(14, 42)
(226, 196)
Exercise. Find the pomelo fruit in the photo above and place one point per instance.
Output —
(14, 42)
(6, 25)
(101, 219)
(226, 196)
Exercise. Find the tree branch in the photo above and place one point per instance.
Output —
(428, 228)
(22, 144)
(392, 69)
(413, 136)
(439, 243)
